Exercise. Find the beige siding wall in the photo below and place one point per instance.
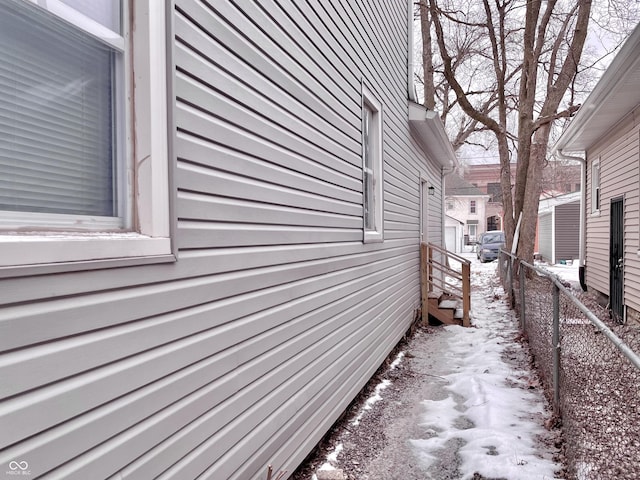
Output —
(244, 351)
(619, 159)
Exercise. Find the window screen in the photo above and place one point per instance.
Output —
(57, 116)
(369, 174)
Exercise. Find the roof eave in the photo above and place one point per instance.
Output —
(429, 131)
(594, 118)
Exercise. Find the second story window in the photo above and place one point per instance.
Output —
(472, 206)
(595, 186)
(372, 167)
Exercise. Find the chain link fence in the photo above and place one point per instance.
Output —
(589, 368)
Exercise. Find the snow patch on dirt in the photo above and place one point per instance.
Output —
(456, 403)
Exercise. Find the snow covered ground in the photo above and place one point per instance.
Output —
(472, 408)
(568, 273)
(504, 418)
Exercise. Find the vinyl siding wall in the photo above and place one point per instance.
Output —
(567, 227)
(244, 351)
(619, 158)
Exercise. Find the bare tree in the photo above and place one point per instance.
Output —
(427, 56)
(437, 91)
(529, 56)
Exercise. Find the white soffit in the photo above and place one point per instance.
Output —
(616, 95)
(428, 129)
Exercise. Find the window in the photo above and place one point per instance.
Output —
(472, 206)
(450, 204)
(495, 190)
(69, 156)
(372, 167)
(473, 231)
(595, 186)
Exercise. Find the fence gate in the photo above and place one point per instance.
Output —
(616, 260)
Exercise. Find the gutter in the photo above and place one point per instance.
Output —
(429, 131)
(583, 209)
(444, 171)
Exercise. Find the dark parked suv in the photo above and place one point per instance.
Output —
(489, 244)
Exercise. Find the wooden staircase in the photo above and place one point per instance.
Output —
(446, 286)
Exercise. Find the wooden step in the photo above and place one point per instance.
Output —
(444, 311)
(449, 303)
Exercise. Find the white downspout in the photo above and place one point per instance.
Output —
(443, 173)
(583, 216)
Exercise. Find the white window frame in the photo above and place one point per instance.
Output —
(375, 234)
(146, 154)
(473, 206)
(596, 199)
(475, 230)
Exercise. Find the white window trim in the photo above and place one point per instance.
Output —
(376, 234)
(65, 12)
(148, 179)
(595, 205)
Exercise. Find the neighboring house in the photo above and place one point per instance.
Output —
(211, 217)
(467, 204)
(606, 131)
(557, 176)
(487, 178)
(558, 232)
(561, 176)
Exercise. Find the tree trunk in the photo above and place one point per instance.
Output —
(427, 57)
(505, 184)
(532, 192)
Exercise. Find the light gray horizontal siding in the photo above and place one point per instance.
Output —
(244, 351)
(238, 286)
(178, 357)
(195, 263)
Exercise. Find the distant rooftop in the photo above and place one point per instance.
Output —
(456, 185)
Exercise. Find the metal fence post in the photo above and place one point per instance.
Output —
(523, 320)
(466, 293)
(555, 345)
(512, 300)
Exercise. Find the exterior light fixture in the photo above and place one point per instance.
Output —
(432, 190)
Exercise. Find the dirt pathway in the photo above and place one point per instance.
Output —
(455, 404)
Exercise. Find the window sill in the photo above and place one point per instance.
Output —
(34, 254)
(371, 236)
